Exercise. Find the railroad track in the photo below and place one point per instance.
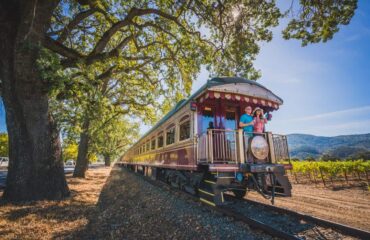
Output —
(345, 229)
(316, 228)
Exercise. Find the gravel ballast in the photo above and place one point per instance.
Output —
(130, 207)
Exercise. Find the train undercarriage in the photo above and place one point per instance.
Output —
(210, 186)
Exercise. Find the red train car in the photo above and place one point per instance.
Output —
(198, 146)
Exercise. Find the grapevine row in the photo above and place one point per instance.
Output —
(330, 170)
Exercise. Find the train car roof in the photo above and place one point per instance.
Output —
(210, 83)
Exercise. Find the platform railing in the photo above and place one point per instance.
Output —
(218, 146)
(233, 146)
(281, 149)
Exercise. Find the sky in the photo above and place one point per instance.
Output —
(325, 87)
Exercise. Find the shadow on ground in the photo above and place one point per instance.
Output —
(55, 219)
(105, 216)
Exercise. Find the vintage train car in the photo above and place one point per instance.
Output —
(199, 147)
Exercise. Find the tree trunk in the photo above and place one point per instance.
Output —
(83, 149)
(107, 160)
(35, 166)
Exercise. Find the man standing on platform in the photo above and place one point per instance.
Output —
(246, 122)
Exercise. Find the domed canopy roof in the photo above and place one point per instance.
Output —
(243, 87)
(240, 86)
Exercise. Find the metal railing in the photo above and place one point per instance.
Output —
(218, 145)
(280, 147)
(233, 146)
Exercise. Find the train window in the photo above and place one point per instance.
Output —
(184, 130)
(153, 143)
(147, 146)
(186, 117)
(160, 141)
(170, 136)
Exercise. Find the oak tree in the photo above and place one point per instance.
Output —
(224, 35)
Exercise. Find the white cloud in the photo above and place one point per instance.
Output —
(352, 38)
(351, 111)
(346, 128)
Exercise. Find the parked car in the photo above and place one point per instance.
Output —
(70, 163)
(4, 161)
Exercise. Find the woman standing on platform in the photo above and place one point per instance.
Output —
(259, 120)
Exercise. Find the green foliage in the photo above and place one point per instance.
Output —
(4, 145)
(70, 151)
(51, 70)
(115, 138)
(139, 57)
(168, 34)
(331, 168)
(318, 21)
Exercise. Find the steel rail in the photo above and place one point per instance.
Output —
(255, 223)
(345, 229)
(225, 211)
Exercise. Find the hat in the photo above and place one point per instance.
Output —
(257, 108)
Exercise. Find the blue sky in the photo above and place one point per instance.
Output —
(325, 87)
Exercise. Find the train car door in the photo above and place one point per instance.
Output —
(230, 122)
(207, 118)
(231, 118)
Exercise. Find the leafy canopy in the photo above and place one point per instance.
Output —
(115, 138)
(70, 151)
(4, 145)
(128, 56)
(317, 21)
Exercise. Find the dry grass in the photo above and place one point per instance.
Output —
(54, 219)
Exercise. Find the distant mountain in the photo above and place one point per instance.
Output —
(347, 146)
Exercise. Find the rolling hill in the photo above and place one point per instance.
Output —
(347, 146)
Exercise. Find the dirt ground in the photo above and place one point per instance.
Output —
(75, 215)
(349, 206)
(54, 219)
(126, 207)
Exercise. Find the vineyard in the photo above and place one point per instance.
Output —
(331, 172)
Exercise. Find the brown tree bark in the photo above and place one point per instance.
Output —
(83, 149)
(107, 160)
(35, 167)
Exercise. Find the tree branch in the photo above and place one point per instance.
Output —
(72, 24)
(59, 48)
(113, 53)
(134, 12)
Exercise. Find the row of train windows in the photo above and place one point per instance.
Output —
(170, 138)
